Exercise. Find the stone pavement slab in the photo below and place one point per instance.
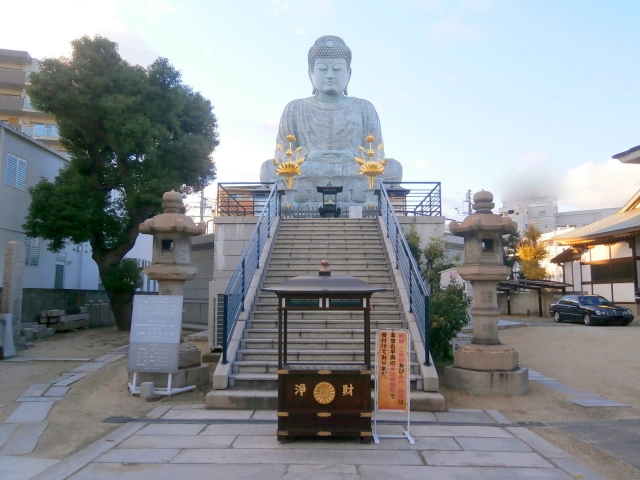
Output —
(6, 429)
(208, 414)
(35, 390)
(597, 401)
(24, 439)
(22, 468)
(492, 444)
(176, 471)
(240, 429)
(422, 443)
(465, 417)
(90, 367)
(318, 457)
(138, 455)
(485, 459)
(172, 429)
(38, 399)
(30, 412)
(67, 380)
(499, 418)
(64, 468)
(458, 431)
(57, 391)
(179, 441)
(109, 358)
(460, 473)
(537, 443)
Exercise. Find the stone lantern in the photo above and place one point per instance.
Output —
(171, 259)
(486, 366)
(171, 267)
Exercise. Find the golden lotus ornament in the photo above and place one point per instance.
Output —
(290, 168)
(371, 167)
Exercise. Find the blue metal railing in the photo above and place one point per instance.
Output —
(416, 288)
(236, 292)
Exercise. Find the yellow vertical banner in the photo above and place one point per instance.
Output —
(392, 370)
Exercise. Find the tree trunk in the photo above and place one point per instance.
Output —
(122, 308)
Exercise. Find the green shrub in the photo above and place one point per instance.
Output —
(447, 316)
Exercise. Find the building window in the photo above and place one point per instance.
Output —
(617, 271)
(16, 176)
(32, 250)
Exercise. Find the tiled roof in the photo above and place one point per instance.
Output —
(608, 230)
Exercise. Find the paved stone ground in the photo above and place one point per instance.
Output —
(182, 441)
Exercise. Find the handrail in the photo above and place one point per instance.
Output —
(416, 288)
(235, 294)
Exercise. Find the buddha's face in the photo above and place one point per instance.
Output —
(330, 75)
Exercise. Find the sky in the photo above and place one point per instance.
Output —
(522, 98)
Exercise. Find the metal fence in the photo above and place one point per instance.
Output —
(414, 283)
(236, 292)
(419, 199)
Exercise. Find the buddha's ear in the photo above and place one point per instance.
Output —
(345, 88)
(315, 90)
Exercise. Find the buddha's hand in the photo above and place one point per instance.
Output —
(330, 156)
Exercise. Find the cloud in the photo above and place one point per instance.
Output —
(599, 185)
(531, 176)
(301, 31)
(51, 30)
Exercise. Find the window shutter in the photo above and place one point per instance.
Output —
(16, 172)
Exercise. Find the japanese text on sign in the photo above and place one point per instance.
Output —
(392, 369)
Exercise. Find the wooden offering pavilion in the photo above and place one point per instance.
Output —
(332, 399)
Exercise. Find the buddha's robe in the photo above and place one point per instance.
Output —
(330, 133)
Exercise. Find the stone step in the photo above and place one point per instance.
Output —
(327, 324)
(270, 380)
(310, 334)
(376, 315)
(265, 366)
(307, 344)
(287, 259)
(308, 356)
(264, 305)
(268, 400)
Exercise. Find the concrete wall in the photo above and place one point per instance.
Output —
(526, 303)
(426, 227)
(196, 291)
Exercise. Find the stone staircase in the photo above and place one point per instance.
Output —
(353, 247)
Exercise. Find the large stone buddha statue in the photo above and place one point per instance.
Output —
(329, 126)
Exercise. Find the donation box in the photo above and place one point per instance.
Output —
(329, 397)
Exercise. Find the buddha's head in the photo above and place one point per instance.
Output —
(330, 65)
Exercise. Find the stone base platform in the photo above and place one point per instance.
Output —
(184, 377)
(268, 400)
(509, 383)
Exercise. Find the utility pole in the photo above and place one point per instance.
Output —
(468, 201)
(202, 205)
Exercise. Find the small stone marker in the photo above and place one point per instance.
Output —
(147, 389)
(12, 283)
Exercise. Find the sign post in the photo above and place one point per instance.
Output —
(154, 342)
(392, 392)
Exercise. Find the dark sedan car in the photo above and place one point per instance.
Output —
(590, 310)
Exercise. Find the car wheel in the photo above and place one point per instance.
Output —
(626, 323)
(557, 318)
(587, 320)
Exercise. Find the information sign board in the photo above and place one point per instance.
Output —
(154, 341)
(392, 370)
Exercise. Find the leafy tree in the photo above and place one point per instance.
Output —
(510, 244)
(132, 133)
(531, 253)
(436, 260)
(413, 240)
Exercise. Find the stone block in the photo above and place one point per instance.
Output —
(189, 356)
(184, 377)
(147, 389)
(514, 383)
(486, 357)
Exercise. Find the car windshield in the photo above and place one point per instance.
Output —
(594, 301)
